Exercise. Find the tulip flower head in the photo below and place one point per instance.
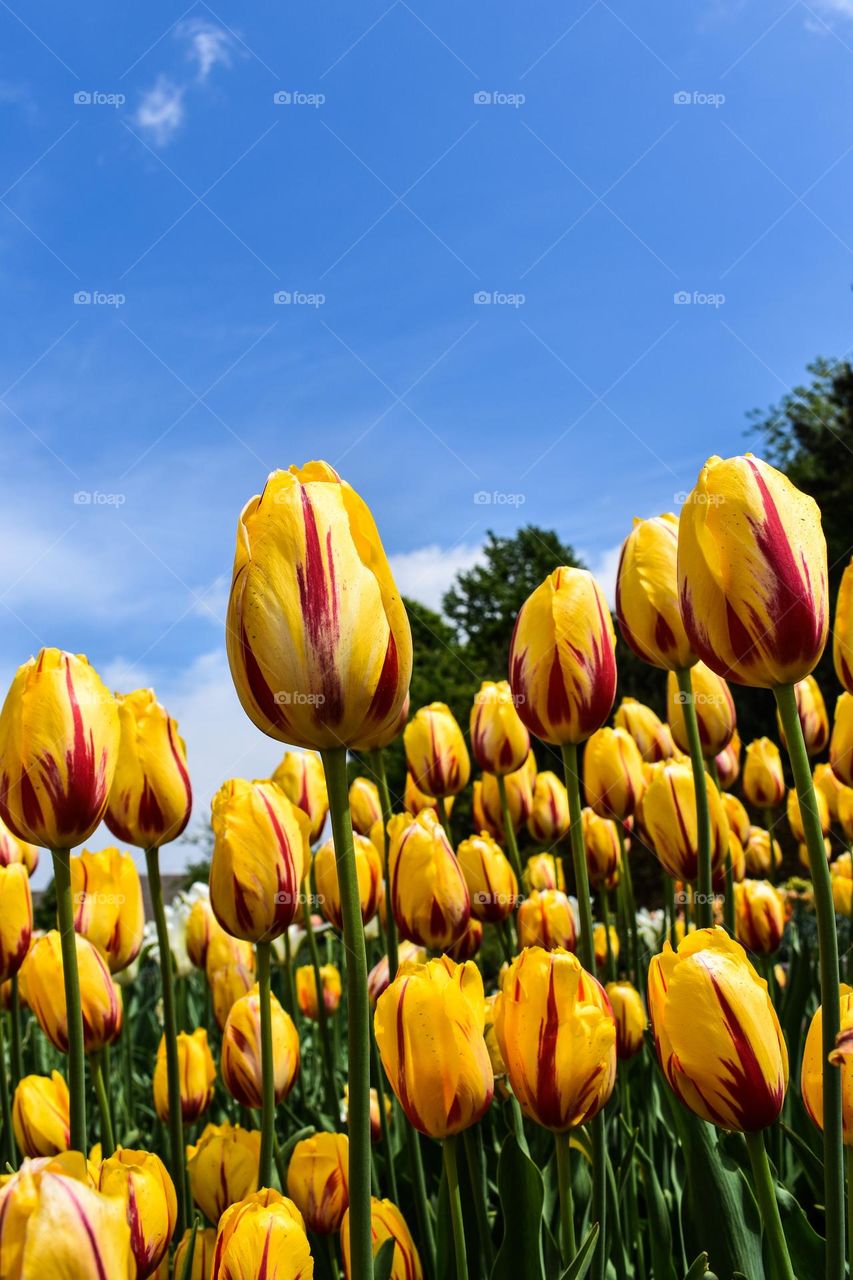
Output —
(262, 1235)
(759, 916)
(546, 920)
(737, 815)
(811, 1078)
(16, 918)
(202, 1264)
(545, 871)
(223, 1167)
(317, 1180)
(241, 1051)
(728, 763)
(519, 795)
(630, 1015)
(40, 1115)
(841, 742)
(387, 1223)
(651, 734)
(763, 777)
(613, 776)
(201, 926)
(436, 755)
(300, 776)
(364, 805)
(814, 720)
(549, 815)
(842, 632)
(499, 739)
(600, 937)
(100, 998)
(306, 989)
(647, 594)
(140, 1179)
(14, 850)
(466, 947)
(832, 788)
(669, 816)
(414, 799)
(715, 710)
(795, 818)
(491, 881)
(108, 909)
(151, 796)
(428, 893)
(197, 1075)
(762, 854)
(371, 887)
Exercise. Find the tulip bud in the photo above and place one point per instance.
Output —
(223, 1167)
(738, 857)
(241, 1051)
(652, 736)
(759, 916)
(414, 800)
(842, 632)
(669, 816)
(40, 1115)
(100, 998)
(201, 927)
(763, 779)
(716, 1032)
(811, 710)
(519, 798)
(647, 594)
(600, 937)
(368, 866)
(300, 776)
(545, 919)
(436, 755)
(14, 850)
(803, 854)
(260, 853)
(375, 1116)
(318, 637)
(491, 881)
(16, 918)
(202, 1266)
(562, 664)
(108, 909)
(544, 871)
(811, 1078)
(466, 947)
(630, 1016)
(795, 821)
(826, 781)
(841, 742)
(737, 815)
(387, 1223)
(151, 798)
(443, 1080)
(841, 878)
(715, 710)
(499, 740)
(197, 1074)
(141, 1181)
(227, 985)
(549, 816)
(762, 852)
(601, 842)
(365, 805)
(306, 989)
(317, 1180)
(844, 811)
(728, 763)
(225, 952)
(428, 893)
(612, 773)
(263, 1235)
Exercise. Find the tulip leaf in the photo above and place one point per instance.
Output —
(806, 1247)
(811, 1162)
(660, 1226)
(187, 1268)
(699, 1268)
(383, 1262)
(582, 1261)
(522, 1194)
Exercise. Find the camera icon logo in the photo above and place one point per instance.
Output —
(282, 98)
(482, 98)
(682, 98)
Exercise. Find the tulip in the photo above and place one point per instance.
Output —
(606, 944)
(365, 805)
(14, 850)
(301, 778)
(515, 804)
(651, 734)
(429, 1029)
(759, 916)
(646, 594)
(549, 815)
(545, 919)
(429, 896)
(108, 906)
(16, 918)
(223, 1167)
(601, 841)
(670, 817)
(795, 819)
(763, 853)
(715, 710)
(387, 1223)
(612, 773)
(811, 1078)
(41, 1115)
(763, 779)
(141, 1181)
(544, 871)
(54, 1224)
(375, 1113)
(306, 989)
(203, 1250)
(368, 867)
(197, 1075)
(466, 947)
(737, 856)
(436, 755)
(379, 975)
(414, 799)
(201, 927)
(317, 1180)
(491, 881)
(737, 815)
(225, 952)
(482, 820)
(842, 885)
(241, 1051)
(841, 742)
(499, 740)
(630, 1016)
(811, 710)
(804, 854)
(262, 1235)
(227, 985)
(844, 811)
(842, 633)
(728, 763)
(832, 788)
(100, 997)
(151, 797)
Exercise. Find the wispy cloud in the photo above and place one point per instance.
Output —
(209, 46)
(161, 111)
(162, 108)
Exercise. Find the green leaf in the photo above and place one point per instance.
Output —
(384, 1260)
(812, 1164)
(806, 1247)
(660, 1227)
(522, 1193)
(699, 1269)
(582, 1261)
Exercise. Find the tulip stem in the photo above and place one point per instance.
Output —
(568, 1245)
(96, 1062)
(509, 829)
(475, 1159)
(322, 1013)
(358, 1017)
(451, 1173)
(17, 1055)
(630, 906)
(74, 1012)
(704, 889)
(173, 1075)
(377, 760)
(609, 968)
(262, 950)
(765, 1193)
(829, 993)
(5, 1106)
(443, 816)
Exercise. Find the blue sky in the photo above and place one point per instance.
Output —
(378, 167)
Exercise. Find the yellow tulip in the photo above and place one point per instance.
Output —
(306, 989)
(826, 781)
(387, 1223)
(371, 887)
(737, 815)
(612, 773)
(519, 796)
(227, 985)
(795, 821)
(759, 916)
(738, 858)
(379, 976)
(599, 943)
(436, 755)
(241, 1051)
(562, 663)
(429, 1028)
(197, 1074)
(428, 893)
(225, 952)
(651, 734)
(108, 910)
(841, 742)
(263, 1235)
(491, 881)
(630, 1015)
(803, 854)
(841, 879)
(16, 918)
(201, 927)
(752, 573)
(202, 1267)
(40, 1115)
(545, 919)
(811, 710)
(53, 1224)
(317, 634)
(763, 779)
(499, 740)
(466, 947)
(842, 632)
(151, 797)
(844, 811)
(100, 998)
(483, 821)
(601, 842)
(716, 1032)
(762, 852)
(811, 1077)
(260, 853)
(139, 1178)
(414, 799)
(375, 1116)
(647, 594)
(365, 805)
(14, 850)
(728, 763)
(545, 871)
(223, 1167)
(317, 1180)
(669, 816)
(549, 815)
(557, 1037)
(300, 776)
(715, 710)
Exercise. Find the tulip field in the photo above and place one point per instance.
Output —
(563, 999)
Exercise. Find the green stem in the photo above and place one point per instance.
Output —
(630, 908)
(704, 888)
(421, 1201)
(74, 1012)
(358, 1015)
(173, 1074)
(96, 1062)
(322, 1013)
(267, 1069)
(568, 1245)
(291, 1006)
(729, 901)
(671, 910)
(506, 946)
(17, 1054)
(451, 1172)
(765, 1194)
(509, 830)
(378, 762)
(331, 1257)
(5, 1103)
(829, 992)
(473, 1141)
(609, 972)
(443, 815)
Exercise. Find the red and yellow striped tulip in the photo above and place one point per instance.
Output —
(151, 796)
(600, 937)
(630, 1015)
(603, 855)
(262, 1235)
(379, 977)
(826, 781)
(737, 815)
(414, 800)
(300, 776)
(491, 881)
(387, 1223)
(201, 927)
(715, 710)
(762, 852)
(16, 918)
(842, 631)
(318, 1182)
(499, 739)
(306, 989)
(841, 742)
(811, 1076)
(225, 952)
(647, 594)
(429, 896)
(795, 820)
(763, 778)
(14, 850)
(436, 755)
(364, 805)
(202, 1264)
(549, 816)
(241, 1051)
(223, 1167)
(814, 720)
(41, 1115)
(100, 998)
(466, 947)
(197, 1075)
(519, 797)
(759, 916)
(613, 777)
(227, 985)
(546, 920)
(651, 734)
(140, 1180)
(371, 886)
(545, 871)
(728, 763)
(108, 909)
(669, 816)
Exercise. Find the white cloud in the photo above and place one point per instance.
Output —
(209, 46)
(425, 573)
(161, 111)
(603, 567)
